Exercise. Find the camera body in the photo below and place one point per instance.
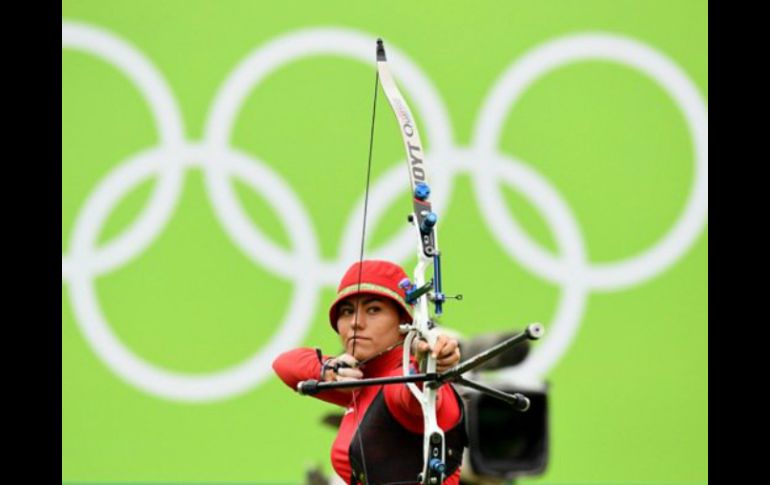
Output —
(504, 444)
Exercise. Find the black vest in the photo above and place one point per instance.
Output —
(393, 453)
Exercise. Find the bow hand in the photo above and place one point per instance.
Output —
(445, 350)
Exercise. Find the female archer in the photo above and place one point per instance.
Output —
(380, 439)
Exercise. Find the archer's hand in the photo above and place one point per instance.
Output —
(446, 351)
(343, 368)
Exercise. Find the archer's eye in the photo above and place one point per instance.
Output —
(346, 310)
(374, 309)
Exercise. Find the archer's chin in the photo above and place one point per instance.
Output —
(360, 353)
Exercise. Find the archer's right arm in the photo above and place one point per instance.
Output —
(302, 364)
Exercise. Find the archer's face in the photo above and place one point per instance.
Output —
(374, 324)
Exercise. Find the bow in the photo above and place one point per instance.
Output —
(422, 294)
(419, 292)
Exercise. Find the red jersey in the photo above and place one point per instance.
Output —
(302, 364)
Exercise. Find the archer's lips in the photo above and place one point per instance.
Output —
(357, 337)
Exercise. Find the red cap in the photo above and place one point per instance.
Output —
(376, 277)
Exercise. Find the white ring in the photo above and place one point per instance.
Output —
(168, 120)
(554, 54)
(127, 364)
(487, 170)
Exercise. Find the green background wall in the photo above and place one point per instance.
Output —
(628, 395)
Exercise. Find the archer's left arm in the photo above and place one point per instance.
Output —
(405, 407)
(407, 410)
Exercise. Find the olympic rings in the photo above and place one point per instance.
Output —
(302, 262)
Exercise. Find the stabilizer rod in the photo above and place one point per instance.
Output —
(519, 401)
(533, 332)
(311, 387)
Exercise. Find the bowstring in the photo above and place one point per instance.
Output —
(360, 270)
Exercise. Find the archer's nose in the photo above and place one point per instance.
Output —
(359, 320)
